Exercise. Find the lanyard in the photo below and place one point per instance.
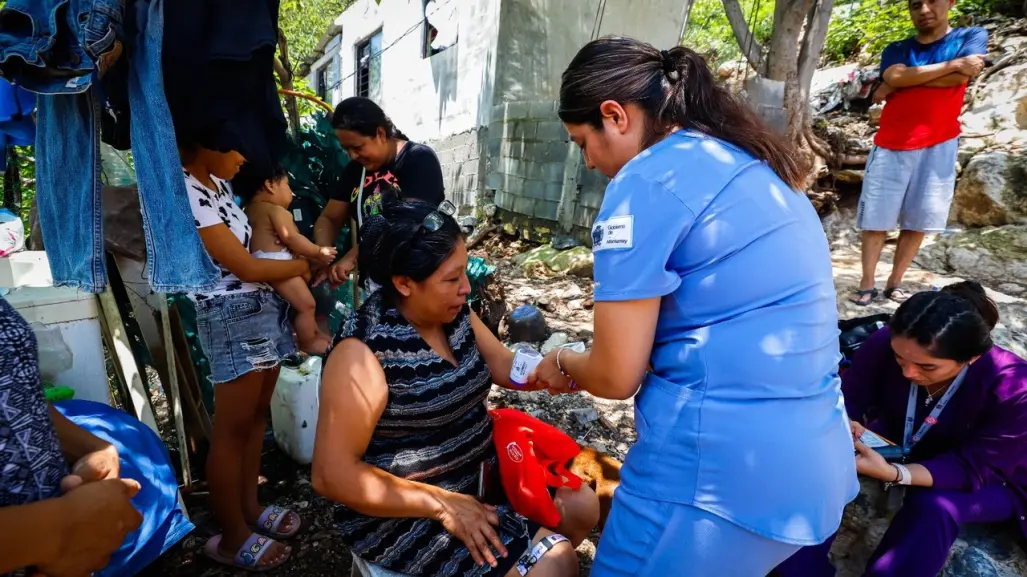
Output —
(909, 440)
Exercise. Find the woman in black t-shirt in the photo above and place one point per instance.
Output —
(387, 163)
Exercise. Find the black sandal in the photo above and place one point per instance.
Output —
(859, 300)
(896, 294)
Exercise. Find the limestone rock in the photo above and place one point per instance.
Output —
(576, 261)
(992, 190)
(993, 256)
(995, 109)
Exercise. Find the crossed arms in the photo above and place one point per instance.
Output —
(941, 75)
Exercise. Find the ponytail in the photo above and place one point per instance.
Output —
(975, 294)
(676, 89)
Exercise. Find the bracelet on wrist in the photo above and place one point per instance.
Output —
(559, 365)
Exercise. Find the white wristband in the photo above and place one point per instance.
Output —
(905, 477)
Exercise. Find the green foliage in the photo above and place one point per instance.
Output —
(305, 21)
(866, 27)
(709, 32)
(315, 161)
(858, 27)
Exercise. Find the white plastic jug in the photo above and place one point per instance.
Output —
(294, 409)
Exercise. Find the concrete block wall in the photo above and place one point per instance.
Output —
(528, 150)
(462, 157)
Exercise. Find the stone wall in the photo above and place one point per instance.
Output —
(462, 157)
(536, 172)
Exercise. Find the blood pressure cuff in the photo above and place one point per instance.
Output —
(532, 457)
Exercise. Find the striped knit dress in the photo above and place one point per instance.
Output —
(435, 429)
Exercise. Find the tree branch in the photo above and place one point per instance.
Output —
(743, 35)
(283, 69)
(813, 41)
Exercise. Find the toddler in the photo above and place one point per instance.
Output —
(276, 237)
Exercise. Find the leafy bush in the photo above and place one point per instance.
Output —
(866, 26)
(857, 27)
(709, 32)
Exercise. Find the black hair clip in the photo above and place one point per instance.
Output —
(668, 66)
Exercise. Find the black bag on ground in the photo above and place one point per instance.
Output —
(854, 332)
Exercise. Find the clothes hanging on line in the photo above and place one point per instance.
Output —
(219, 79)
(64, 64)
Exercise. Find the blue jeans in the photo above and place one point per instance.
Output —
(48, 58)
(69, 175)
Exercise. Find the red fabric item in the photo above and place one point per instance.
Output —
(920, 117)
(532, 457)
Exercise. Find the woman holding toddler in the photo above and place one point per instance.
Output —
(245, 334)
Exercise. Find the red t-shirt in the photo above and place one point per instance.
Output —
(920, 116)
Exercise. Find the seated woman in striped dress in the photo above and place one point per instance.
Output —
(403, 430)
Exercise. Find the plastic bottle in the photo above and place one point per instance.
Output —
(294, 409)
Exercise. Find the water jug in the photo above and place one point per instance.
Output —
(294, 408)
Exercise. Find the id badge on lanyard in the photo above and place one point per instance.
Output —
(909, 440)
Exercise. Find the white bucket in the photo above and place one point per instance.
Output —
(294, 409)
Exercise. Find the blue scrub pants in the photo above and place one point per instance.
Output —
(648, 538)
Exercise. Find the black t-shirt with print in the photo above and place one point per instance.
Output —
(415, 173)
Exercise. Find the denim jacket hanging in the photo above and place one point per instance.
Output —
(59, 49)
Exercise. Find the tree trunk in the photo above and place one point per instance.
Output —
(744, 36)
(283, 68)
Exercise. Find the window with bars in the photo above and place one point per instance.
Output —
(369, 67)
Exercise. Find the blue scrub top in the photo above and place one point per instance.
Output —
(742, 414)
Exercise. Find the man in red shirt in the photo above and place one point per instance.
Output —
(911, 172)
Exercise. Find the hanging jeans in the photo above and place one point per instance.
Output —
(68, 148)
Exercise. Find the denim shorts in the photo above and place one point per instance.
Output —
(244, 332)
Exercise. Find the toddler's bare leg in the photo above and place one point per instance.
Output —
(297, 293)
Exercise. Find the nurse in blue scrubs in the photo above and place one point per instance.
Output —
(711, 267)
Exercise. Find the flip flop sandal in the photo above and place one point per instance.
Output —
(248, 556)
(896, 294)
(872, 293)
(271, 519)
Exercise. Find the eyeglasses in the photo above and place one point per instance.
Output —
(437, 217)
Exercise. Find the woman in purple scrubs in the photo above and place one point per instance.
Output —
(965, 400)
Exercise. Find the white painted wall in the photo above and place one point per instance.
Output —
(539, 38)
(427, 98)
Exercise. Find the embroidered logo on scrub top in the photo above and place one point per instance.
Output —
(616, 232)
